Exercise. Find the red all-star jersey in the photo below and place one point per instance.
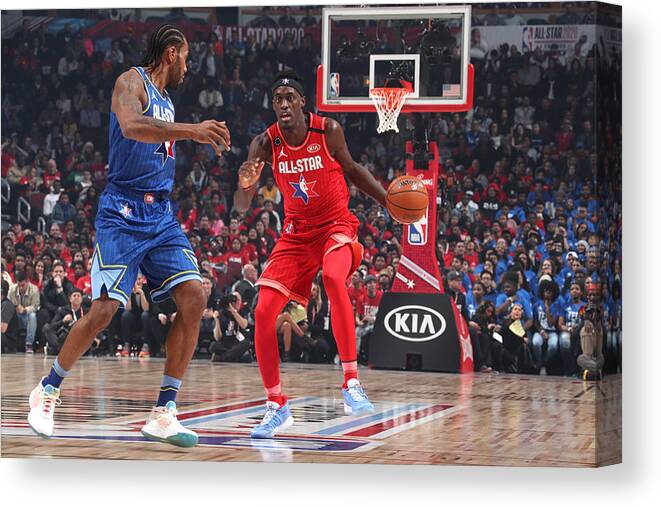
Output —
(310, 179)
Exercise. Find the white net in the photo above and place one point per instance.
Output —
(388, 103)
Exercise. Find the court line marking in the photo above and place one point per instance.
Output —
(438, 411)
(366, 420)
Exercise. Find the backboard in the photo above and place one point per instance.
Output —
(372, 47)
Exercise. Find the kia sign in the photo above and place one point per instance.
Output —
(414, 323)
(417, 332)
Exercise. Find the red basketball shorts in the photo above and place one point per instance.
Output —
(299, 254)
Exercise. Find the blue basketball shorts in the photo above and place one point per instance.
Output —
(134, 236)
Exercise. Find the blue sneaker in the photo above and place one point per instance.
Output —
(276, 418)
(355, 399)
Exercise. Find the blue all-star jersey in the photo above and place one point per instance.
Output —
(142, 167)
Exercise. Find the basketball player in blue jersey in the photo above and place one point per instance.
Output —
(136, 230)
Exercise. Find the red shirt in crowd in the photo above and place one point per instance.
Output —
(250, 250)
(8, 160)
(99, 176)
(368, 253)
(356, 294)
(564, 140)
(190, 221)
(235, 261)
(216, 259)
(448, 258)
(261, 246)
(473, 260)
(50, 178)
(84, 283)
(368, 306)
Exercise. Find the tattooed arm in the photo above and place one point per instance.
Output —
(128, 101)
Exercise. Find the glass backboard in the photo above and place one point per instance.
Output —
(373, 47)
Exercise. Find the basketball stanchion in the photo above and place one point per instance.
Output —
(418, 326)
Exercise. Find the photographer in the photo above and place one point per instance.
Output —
(230, 329)
(57, 330)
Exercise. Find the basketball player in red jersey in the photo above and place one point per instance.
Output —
(310, 159)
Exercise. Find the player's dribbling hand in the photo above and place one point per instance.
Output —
(249, 173)
(214, 133)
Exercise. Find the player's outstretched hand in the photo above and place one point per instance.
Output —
(249, 173)
(214, 133)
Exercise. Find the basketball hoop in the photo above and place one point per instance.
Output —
(388, 103)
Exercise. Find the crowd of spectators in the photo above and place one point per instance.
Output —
(530, 220)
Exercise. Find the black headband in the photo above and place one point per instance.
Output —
(288, 81)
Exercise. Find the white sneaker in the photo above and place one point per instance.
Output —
(162, 426)
(43, 400)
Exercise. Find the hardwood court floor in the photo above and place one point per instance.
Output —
(420, 418)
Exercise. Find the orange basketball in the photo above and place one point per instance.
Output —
(407, 199)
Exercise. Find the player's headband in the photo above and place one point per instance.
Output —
(288, 81)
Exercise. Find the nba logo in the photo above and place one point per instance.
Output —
(418, 232)
(334, 85)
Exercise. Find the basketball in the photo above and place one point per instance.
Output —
(407, 199)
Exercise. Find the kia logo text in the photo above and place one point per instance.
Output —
(415, 323)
